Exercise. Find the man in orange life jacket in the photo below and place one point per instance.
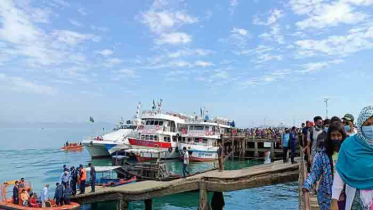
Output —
(83, 177)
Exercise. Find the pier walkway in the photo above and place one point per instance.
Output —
(212, 181)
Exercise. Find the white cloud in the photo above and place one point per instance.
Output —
(82, 11)
(105, 52)
(165, 21)
(356, 40)
(221, 74)
(125, 73)
(30, 44)
(267, 57)
(96, 28)
(21, 85)
(317, 66)
(203, 64)
(174, 38)
(238, 37)
(112, 62)
(240, 31)
(190, 52)
(75, 23)
(274, 35)
(73, 38)
(274, 15)
(59, 3)
(233, 5)
(322, 13)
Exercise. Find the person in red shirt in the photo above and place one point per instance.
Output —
(34, 202)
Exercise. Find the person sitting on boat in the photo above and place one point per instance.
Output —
(15, 193)
(3, 191)
(25, 197)
(67, 194)
(34, 201)
(65, 168)
(58, 195)
(67, 143)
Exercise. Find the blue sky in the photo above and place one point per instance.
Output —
(245, 60)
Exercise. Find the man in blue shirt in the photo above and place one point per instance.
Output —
(285, 144)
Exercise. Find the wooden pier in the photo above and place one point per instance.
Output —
(212, 181)
(244, 146)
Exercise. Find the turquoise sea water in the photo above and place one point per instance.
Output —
(33, 153)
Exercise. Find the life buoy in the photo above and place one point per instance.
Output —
(170, 149)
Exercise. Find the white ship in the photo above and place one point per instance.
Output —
(99, 146)
(201, 136)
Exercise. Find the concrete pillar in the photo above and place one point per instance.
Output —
(122, 204)
(203, 198)
(273, 150)
(256, 151)
(148, 204)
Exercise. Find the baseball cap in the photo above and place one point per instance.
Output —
(348, 117)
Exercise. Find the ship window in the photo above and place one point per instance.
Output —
(161, 123)
(196, 140)
(174, 138)
(151, 137)
(147, 137)
(147, 122)
(199, 128)
(155, 138)
(206, 128)
(142, 137)
(152, 122)
(191, 128)
(156, 122)
(166, 139)
(204, 141)
(183, 139)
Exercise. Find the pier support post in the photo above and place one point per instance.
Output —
(256, 152)
(217, 201)
(203, 198)
(148, 204)
(273, 150)
(122, 204)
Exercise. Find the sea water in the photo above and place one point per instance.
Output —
(34, 153)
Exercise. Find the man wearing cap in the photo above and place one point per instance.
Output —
(348, 124)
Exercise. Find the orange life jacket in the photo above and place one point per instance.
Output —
(83, 177)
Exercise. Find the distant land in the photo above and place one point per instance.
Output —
(56, 125)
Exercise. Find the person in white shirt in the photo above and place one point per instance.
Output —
(44, 195)
(185, 161)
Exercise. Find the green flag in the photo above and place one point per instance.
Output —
(91, 119)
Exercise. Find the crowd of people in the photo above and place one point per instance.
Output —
(71, 180)
(264, 133)
(339, 156)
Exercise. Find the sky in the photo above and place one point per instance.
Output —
(252, 61)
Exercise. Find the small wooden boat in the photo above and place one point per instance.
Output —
(51, 205)
(72, 146)
(107, 178)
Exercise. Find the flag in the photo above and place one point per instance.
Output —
(201, 111)
(91, 119)
(154, 106)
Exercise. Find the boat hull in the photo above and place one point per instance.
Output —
(199, 153)
(98, 149)
(9, 205)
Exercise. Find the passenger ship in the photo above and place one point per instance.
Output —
(200, 137)
(159, 131)
(99, 146)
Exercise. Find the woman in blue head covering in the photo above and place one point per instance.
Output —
(355, 166)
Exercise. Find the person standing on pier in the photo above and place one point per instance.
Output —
(348, 123)
(293, 141)
(65, 178)
(82, 178)
(185, 161)
(312, 138)
(220, 159)
(285, 144)
(92, 174)
(73, 179)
